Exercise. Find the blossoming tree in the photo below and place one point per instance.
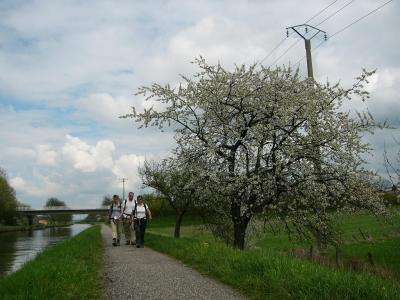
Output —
(267, 141)
(172, 182)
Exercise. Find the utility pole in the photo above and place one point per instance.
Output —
(307, 42)
(314, 124)
(123, 187)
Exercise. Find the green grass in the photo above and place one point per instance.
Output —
(194, 231)
(361, 234)
(268, 274)
(267, 271)
(377, 228)
(71, 269)
(191, 227)
(169, 221)
(385, 253)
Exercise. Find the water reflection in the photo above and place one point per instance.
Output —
(18, 247)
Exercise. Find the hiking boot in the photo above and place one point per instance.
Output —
(114, 243)
(128, 242)
(137, 246)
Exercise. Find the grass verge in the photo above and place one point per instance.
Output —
(263, 274)
(69, 270)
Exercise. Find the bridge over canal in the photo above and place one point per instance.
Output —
(59, 210)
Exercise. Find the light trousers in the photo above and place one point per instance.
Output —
(127, 228)
(116, 228)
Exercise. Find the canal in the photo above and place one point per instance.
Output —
(18, 247)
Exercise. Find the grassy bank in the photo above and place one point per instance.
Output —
(69, 270)
(268, 271)
(262, 274)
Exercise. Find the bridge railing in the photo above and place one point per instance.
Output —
(23, 208)
(55, 208)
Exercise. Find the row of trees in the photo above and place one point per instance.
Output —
(261, 142)
(9, 204)
(56, 218)
(8, 201)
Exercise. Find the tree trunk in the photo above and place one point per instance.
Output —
(239, 229)
(177, 232)
(239, 226)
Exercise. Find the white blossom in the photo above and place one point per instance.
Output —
(267, 141)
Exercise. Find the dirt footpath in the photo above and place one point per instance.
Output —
(132, 273)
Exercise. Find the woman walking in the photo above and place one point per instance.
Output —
(141, 212)
(115, 218)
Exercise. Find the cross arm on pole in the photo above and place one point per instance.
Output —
(307, 42)
(296, 27)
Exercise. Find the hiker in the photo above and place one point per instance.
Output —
(127, 210)
(140, 213)
(115, 217)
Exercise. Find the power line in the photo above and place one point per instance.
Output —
(286, 51)
(354, 22)
(316, 15)
(346, 27)
(273, 50)
(324, 20)
(337, 11)
(327, 18)
(282, 41)
(359, 19)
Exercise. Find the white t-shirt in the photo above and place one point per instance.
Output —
(116, 210)
(129, 207)
(140, 211)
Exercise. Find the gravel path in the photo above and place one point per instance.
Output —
(132, 273)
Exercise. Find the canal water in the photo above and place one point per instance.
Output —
(18, 247)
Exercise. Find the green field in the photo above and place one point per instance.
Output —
(268, 271)
(71, 269)
(361, 234)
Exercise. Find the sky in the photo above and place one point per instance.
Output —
(69, 69)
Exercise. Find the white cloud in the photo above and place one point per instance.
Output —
(88, 158)
(127, 167)
(217, 38)
(105, 108)
(39, 186)
(17, 152)
(18, 183)
(45, 155)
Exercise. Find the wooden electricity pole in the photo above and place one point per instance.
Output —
(307, 42)
(123, 187)
(314, 124)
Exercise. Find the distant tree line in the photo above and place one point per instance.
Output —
(8, 201)
(57, 218)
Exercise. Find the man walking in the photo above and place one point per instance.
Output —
(127, 217)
